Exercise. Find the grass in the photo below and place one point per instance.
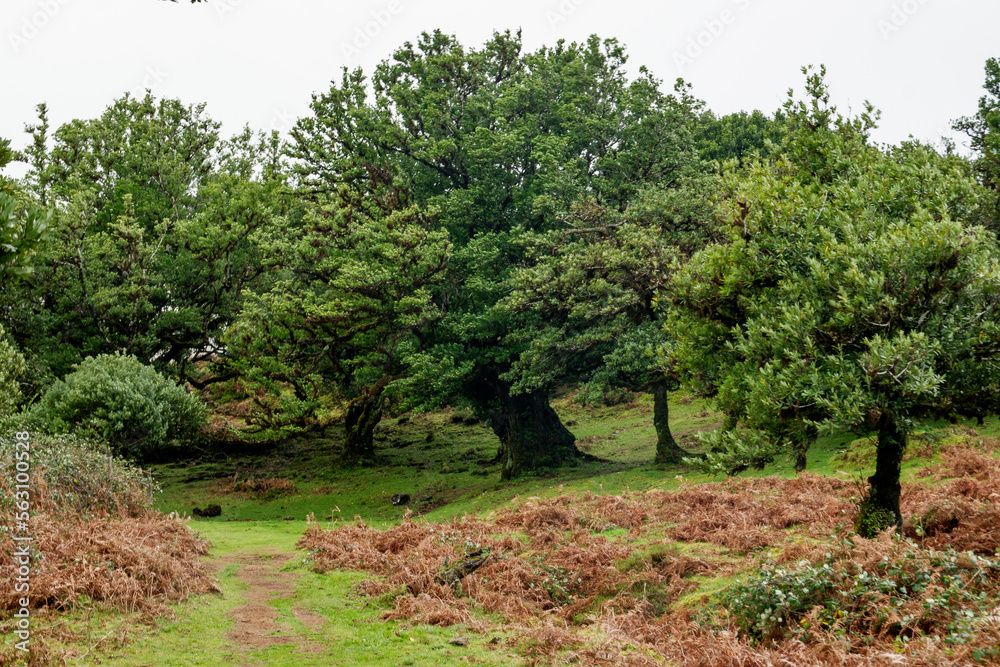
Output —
(441, 462)
(197, 635)
(444, 476)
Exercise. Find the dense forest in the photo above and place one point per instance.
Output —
(478, 227)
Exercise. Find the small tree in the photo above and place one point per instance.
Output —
(592, 290)
(850, 294)
(352, 286)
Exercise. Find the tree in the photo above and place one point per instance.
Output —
(353, 285)
(150, 250)
(740, 136)
(983, 130)
(850, 295)
(501, 144)
(593, 289)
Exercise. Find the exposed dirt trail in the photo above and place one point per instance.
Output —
(257, 622)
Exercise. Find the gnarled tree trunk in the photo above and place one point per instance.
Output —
(881, 509)
(362, 416)
(531, 435)
(667, 449)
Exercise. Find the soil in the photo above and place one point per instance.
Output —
(257, 624)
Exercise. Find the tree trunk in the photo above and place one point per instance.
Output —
(881, 509)
(531, 435)
(667, 450)
(362, 416)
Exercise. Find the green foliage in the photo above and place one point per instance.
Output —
(80, 476)
(733, 451)
(921, 593)
(850, 290)
(590, 291)
(502, 144)
(11, 368)
(23, 224)
(741, 136)
(149, 251)
(22, 230)
(872, 519)
(350, 288)
(117, 400)
(983, 130)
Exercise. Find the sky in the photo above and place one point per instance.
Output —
(256, 62)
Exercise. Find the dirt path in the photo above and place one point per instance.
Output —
(257, 622)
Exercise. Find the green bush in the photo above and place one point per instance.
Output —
(11, 368)
(908, 594)
(117, 400)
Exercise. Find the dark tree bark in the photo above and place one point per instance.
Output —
(667, 449)
(362, 416)
(801, 448)
(881, 509)
(531, 435)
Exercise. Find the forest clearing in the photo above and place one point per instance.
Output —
(607, 563)
(505, 351)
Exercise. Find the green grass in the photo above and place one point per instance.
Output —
(443, 466)
(447, 475)
(352, 634)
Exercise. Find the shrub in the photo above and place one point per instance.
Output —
(263, 488)
(907, 594)
(118, 400)
(94, 535)
(72, 476)
(595, 394)
(11, 367)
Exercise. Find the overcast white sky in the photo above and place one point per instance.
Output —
(256, 62)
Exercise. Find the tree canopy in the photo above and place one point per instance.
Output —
(501, 144)
(150, 252)
(850, 294)
(483, 226)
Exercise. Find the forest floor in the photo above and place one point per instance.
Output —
(602, 563)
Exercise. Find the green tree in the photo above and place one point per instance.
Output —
(593, 290)
(850, 295)
(150, 251)
(501, 143)
(353, 285)
(983, 130)
(740, 136)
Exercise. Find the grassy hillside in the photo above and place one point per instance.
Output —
(599, 556)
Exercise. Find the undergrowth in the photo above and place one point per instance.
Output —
(805, 589)
(94, 540)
